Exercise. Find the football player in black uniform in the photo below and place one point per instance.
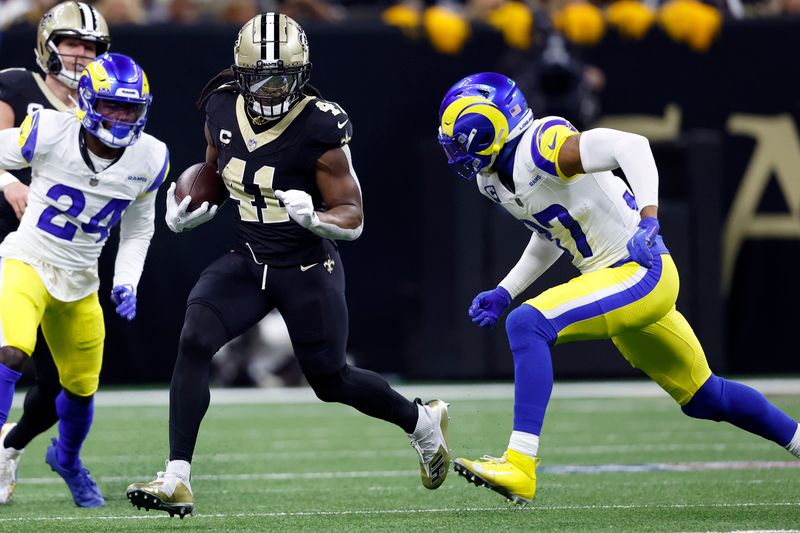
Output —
(284, 156)
(69, 36)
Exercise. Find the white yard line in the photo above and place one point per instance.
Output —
(372, 512)
(477, 391)
(546, 469)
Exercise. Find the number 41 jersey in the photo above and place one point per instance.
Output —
(71, 208)
(283, 156)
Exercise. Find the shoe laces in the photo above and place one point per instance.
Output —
(427, 445)
(86, 484)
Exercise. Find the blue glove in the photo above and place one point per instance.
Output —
(639, 245)
(124, 298)
(487, 307)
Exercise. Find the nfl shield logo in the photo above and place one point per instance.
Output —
(251, 144)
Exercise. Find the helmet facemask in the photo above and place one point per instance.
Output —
(271, 93)
(67, 68)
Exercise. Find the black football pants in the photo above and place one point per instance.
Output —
(228, 299)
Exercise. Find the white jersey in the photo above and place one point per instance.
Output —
(590, 216)
(71, 208)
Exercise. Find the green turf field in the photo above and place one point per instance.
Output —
(312, 466)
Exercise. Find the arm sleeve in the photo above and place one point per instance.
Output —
(10, 154)
(137, 229)
(538, 256)
(606, 149)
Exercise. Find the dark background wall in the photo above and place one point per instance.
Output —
(431, 241)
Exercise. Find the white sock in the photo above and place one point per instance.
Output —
(181, 469)
(424, 426)
(794, 444)
(524, 443)
(12, 453)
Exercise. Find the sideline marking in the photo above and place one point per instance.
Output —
(476, 391)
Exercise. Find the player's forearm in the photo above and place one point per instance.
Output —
(535, 260)
(606, 149)
(6, 179)
(129, 264)
(343, 222)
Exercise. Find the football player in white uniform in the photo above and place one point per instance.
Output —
(87, 174)
(68, 37)
(558, 182)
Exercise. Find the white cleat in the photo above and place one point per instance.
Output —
(430, 441)
(9, 463)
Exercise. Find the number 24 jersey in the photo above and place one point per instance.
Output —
(71, 208)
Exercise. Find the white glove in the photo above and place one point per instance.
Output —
(178, 219)
(300, 207)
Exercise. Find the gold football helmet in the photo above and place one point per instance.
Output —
(271, 65)
(69, 19)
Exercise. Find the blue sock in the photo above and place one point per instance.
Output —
(530, 336)
(8, 381)
(722, 400)
(74, 421)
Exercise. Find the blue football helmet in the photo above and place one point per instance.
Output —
(114, 99)
(478, 115)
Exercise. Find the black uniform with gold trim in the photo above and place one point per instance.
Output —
(255, 163)
(275, 262)
(25, 92)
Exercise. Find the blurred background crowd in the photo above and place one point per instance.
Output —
(445, 22)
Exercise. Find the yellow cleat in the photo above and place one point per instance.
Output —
(167, 493)
(513, 475)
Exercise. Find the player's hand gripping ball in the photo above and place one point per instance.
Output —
(194, 198)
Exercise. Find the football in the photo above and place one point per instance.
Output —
(203, 184)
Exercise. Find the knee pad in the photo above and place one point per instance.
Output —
(329, 387)
(203, 333)
(526, 324)
(708, 402)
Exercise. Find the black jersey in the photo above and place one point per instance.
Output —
(254, 164)
(25, 92)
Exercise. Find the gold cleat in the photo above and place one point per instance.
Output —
(513, 475)
(167, 493)
(434, 455)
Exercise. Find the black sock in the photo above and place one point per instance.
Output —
(38, 416)
(368, 392)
